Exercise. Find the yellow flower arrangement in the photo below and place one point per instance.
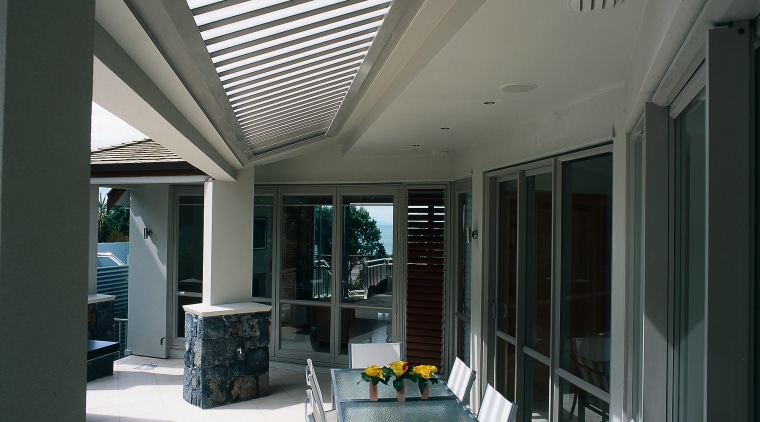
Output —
(398, 369)
(374, 374)
(422, 374)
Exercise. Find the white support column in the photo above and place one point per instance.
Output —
(45, 106)
(730, 223)
(228, 240)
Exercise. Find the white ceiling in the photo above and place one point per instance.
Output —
(569, 56)
(453, 56)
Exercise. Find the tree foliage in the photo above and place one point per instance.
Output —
(113, 225)
(362, 236)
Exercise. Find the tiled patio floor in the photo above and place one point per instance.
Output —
(149, 390)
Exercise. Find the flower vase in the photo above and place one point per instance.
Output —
(372, 392)
(401, 394)
(426, 392)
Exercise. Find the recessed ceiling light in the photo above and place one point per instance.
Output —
(518, 88)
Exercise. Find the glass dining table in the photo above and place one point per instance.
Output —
(353, 404)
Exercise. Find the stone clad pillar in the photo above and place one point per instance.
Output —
(226, 353)
(100, 327)
(227, 335)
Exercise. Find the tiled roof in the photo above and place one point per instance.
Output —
(141, 151)
(142, 158)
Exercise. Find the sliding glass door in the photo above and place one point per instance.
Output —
(552, 287)
(323, 257)
(306, 275)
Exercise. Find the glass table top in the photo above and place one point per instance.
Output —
(438, 409)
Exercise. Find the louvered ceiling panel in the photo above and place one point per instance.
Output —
(287, 66)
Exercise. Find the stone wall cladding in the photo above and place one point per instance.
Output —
(100, 327)
(226, 358)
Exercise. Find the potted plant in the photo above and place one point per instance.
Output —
(373, 375)
(400, 371)
(424, 375)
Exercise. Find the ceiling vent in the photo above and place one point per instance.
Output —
(589, 5)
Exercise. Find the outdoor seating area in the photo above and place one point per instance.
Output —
(407, 397)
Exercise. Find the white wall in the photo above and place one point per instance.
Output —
(148, 287)
(329, 166)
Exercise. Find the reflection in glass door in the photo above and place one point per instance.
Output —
(691, 176)
(523, 329)
(333, 268)
(585, 287)
(506, 290)
(538, 295)
(306, 277)
(551, 347)
(366, 300)
(463, 307)
(188, 252)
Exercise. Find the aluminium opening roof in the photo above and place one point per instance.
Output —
(271, 74)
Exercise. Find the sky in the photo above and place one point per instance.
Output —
(108, 129)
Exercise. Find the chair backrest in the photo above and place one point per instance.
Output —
(317, 411)
(362, 355)
(312, 381)
(461, 379)
(495, 407)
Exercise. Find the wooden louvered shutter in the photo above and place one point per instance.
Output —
(426, 227)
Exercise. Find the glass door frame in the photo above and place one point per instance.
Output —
(277, 300)
(396, 323)
(459, 235)
(173, 269)
(336, 192)
(519, 174)
(492, 272)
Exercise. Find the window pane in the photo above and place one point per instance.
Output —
(364, 326)
(577, 404)
(690, 168)
(367, 250)
(464, 278)
(586, 276)
(505, 369)
(307, 248)
(305, 328)
(263, 211)
(465, 201)
(538, 262)
(463, 335)
(536, 403)
(189, 255)
(507, 291)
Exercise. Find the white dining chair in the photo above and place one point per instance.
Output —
(495, 407)
(460, 380)
(312, 381)
(362, 355)
(318, 412)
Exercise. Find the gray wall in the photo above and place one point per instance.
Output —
(45, 102)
